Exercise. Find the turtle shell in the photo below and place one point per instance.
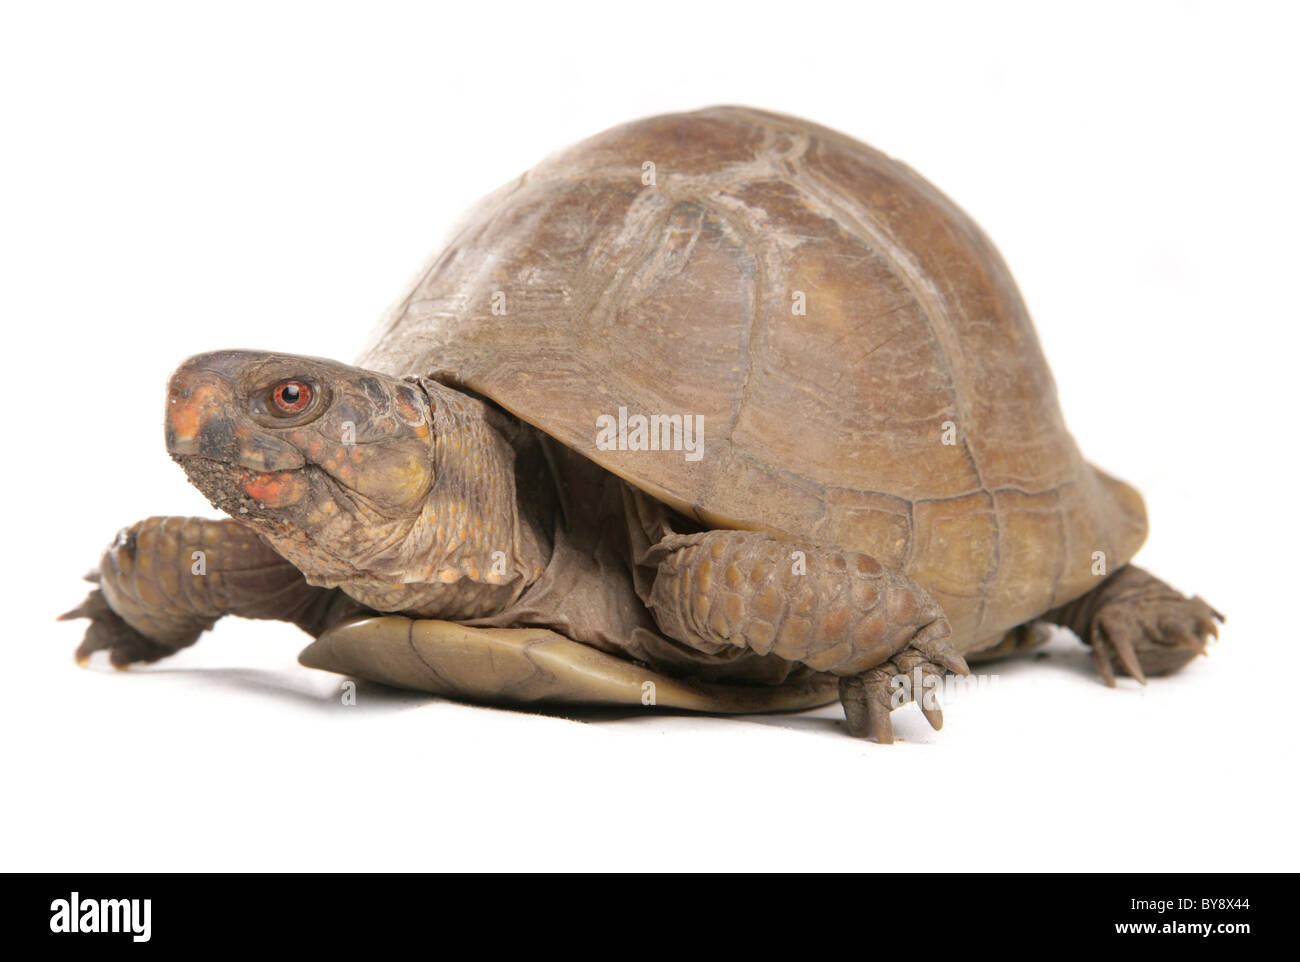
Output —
(515, 666)
(855, 351)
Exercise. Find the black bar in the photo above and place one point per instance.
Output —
(215, 912)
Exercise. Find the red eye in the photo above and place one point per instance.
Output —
(291, 397)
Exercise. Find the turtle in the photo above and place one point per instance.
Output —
(719, 411)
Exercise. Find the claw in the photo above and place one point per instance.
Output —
(81, 611)
(1101, 656)
(954, 662)
(865, 716)
(91, 643)
(941, 652)
(866, 713)
(1220, 616)
(934, 716)
(91, 607)
(1184, 638)
(926, 695)
(107, 631)
(879, 728)
(1127, 655)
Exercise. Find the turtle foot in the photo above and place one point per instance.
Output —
(913, 674)
(109, 632)
(1139, 626)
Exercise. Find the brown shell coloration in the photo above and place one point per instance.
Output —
(865, 369)
(514, 666)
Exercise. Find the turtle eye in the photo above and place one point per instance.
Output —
(290, 397)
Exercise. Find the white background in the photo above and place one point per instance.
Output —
(270, 176)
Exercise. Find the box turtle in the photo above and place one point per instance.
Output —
(720, 411)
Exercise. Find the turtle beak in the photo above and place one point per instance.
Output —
(197, 422)
(205, 417)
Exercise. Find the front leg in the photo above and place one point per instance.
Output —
(833, 610)
(164, 581)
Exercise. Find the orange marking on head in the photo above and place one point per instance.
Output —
(185, 421)
(187, 418)
(274, 490)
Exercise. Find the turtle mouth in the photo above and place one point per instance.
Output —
(244, 493)
(291, 528)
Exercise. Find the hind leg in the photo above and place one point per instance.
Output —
(1138, 625)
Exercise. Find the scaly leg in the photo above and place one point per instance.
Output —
(835, 611)
(164, 581)
(1138, 625)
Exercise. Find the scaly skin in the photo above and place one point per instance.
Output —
(835, 611)
(401, 493)
(1138, 625)
(164, 581)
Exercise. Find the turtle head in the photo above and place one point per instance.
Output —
(318, 456)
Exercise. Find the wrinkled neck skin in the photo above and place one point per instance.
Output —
(475, 544)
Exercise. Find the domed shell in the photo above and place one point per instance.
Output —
(855, 351)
